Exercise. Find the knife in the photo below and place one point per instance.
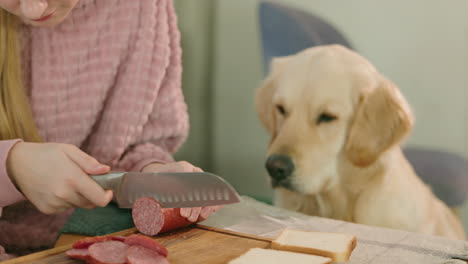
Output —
(171, 190)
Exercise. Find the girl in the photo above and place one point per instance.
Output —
(83, 83)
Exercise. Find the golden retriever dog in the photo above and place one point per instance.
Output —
(336, 126)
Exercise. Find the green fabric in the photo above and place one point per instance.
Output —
(99, 221)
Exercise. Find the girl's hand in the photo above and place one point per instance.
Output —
(198, 214)
(54, 177)
(194, 214)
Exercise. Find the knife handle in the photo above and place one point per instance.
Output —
(109, 181)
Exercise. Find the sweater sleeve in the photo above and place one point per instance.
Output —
(165, 131)
(167, 126)
(8, 192)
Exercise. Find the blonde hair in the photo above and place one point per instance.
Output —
(16, 120)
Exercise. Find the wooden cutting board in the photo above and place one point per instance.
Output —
(188, 245)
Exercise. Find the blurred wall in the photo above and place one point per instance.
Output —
(196, 19)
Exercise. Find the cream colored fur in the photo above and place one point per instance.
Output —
(351, 168)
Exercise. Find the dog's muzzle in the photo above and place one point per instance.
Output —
(280, 168)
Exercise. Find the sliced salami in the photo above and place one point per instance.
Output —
(109, 252)
(147, 242)
(143, 255)
(151, 219)
(82, 253)
(88, 241)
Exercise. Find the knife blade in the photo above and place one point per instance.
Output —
(171, 190)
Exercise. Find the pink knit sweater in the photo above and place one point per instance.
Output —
(108, 79)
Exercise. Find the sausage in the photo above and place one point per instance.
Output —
(82, 253)
(143, 255)
(109, 252)
(80, 248)
(144, 241)
(88, 241)
(151, 219)
(136, 249)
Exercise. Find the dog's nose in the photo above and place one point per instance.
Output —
(279, 167)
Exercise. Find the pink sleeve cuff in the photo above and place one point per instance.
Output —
(8, 192)
(143, 163)
(142, 155)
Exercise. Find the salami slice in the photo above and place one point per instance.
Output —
(88, 241)
(108, 252)
(151, 219)
(82, 253)
(144, 241)
(143, 255)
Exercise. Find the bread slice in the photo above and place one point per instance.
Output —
(337, 246)
(271, 256)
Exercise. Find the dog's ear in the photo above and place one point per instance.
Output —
(382, 120)
(264, 97)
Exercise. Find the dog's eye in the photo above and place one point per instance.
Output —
(326, 118)
(281, 110)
